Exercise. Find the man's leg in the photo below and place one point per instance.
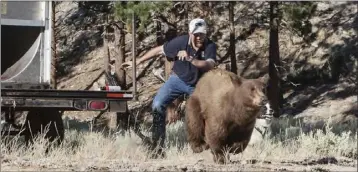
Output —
(171, 90)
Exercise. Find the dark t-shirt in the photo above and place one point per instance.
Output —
(186, 71)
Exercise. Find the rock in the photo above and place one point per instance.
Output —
(327, 160)
(183, 169)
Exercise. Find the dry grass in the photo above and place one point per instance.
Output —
(93, 150)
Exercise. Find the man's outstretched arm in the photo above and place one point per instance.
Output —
(151, 53)
(169, 49)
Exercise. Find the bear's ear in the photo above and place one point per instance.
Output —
(241, 79)
(264, 79)
(238, 80)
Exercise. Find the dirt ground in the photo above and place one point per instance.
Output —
(199, 165)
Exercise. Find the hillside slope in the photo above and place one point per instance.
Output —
(311, 87)
(313, 92)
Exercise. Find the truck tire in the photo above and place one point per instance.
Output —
(41, 120)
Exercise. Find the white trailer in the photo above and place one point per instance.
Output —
(26, 51)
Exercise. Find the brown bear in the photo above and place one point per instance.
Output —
(221, 112)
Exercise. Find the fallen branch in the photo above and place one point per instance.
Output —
(90, 85)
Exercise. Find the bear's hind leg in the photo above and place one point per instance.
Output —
(195, 125)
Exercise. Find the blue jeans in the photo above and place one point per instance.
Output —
(172, 89)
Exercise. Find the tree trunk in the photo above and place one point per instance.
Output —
(121, 118)
(167, 69)
(186, 27)
(159, 33)
(160, 41)
(54, 55)
(232, 37)
(170, 34)
(274, 90)
(120, 55)
(107, 56)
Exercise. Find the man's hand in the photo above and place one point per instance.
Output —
(182, 55)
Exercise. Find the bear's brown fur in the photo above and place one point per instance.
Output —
(222, 111)
(172, 113)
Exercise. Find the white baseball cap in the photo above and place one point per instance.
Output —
(197, 25)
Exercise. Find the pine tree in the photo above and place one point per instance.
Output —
(297, 15)
(54, 41)
(232, 37)
(123, 11)
(142, 9)
(274, 90)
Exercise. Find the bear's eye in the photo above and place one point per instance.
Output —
(252, 89)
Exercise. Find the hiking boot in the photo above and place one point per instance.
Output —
(158, 135)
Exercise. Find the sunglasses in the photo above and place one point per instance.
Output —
(202, 35)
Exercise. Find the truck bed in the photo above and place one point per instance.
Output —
(73, 100)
